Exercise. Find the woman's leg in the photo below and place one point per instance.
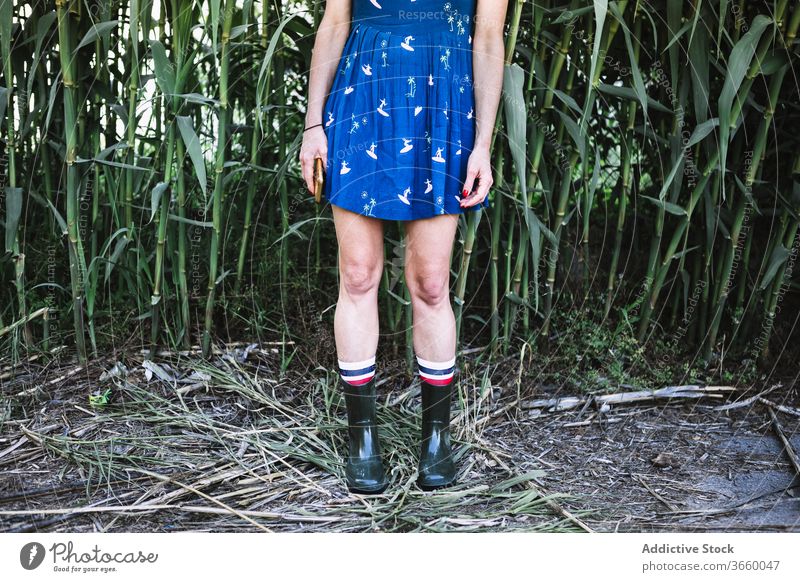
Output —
(429, 246)
(356, 329)
(360, 267)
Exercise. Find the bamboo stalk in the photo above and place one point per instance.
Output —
(76, 267)
(222, 115)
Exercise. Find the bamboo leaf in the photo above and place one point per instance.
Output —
(568, 100)
(119, 248)
(57, 215)
(699, 57)
(723, 15)
(185, 220)
(192, 143)
(239, 30)
(740, 60)
(13, 213)
(516, 119)
(96, 31)
(600, 11)
(638, 83)
(3, 101)
(266, 64)
(668, 206)
(574, 132)
(165, 72)
(570, 15)
(779, 256)
(6, 22)
(630, 95)
(215, 6)
(51, 101)
(677, 166)
(42, 26)
(155, 198)
(593, 183)
(701, 131)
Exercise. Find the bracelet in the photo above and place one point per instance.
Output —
(312, 127)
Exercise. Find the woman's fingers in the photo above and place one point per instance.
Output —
(315, 145)
(469, 184)
(484, 179)
(308, 172)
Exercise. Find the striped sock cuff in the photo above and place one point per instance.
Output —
(357, 373)
(437, 373)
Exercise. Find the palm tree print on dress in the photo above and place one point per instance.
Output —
(412, 87)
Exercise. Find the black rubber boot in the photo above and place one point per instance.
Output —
(364, 469)
(436, 466)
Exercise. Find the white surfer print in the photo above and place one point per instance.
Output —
(430, 80)
(404, 196)
(406, 44)
(438, 157)
(446, 109)
(345, 169)
(429, 187)
(380, 108)
(348, 90)
(376, 5)
(471, 113)
(330, 119)
(417, 110)
(458, 153)
(367, 69)
(407, 146)
(371, 152)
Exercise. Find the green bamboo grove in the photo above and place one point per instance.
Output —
(646, 163)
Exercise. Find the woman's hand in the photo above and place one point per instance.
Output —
(479, 169)
(315, 145)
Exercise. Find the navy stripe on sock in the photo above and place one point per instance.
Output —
(358, 372)
(435, 372)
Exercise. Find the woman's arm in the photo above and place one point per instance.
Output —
(328, 45)
(488, 60)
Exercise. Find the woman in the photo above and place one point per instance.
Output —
(403, 123)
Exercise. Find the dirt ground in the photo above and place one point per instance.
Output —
(675, 467)
(655, 465)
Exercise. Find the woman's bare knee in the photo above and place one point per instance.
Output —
(430, 287)
(360, 278)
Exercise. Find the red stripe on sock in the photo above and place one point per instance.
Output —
(359, 382)
(438, 382)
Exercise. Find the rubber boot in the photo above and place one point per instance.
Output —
(436, 466)
(364, 469)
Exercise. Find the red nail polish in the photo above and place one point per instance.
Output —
(464, 193)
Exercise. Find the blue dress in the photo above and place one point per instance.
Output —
(400, 115)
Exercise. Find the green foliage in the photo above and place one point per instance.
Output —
(644, 149)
